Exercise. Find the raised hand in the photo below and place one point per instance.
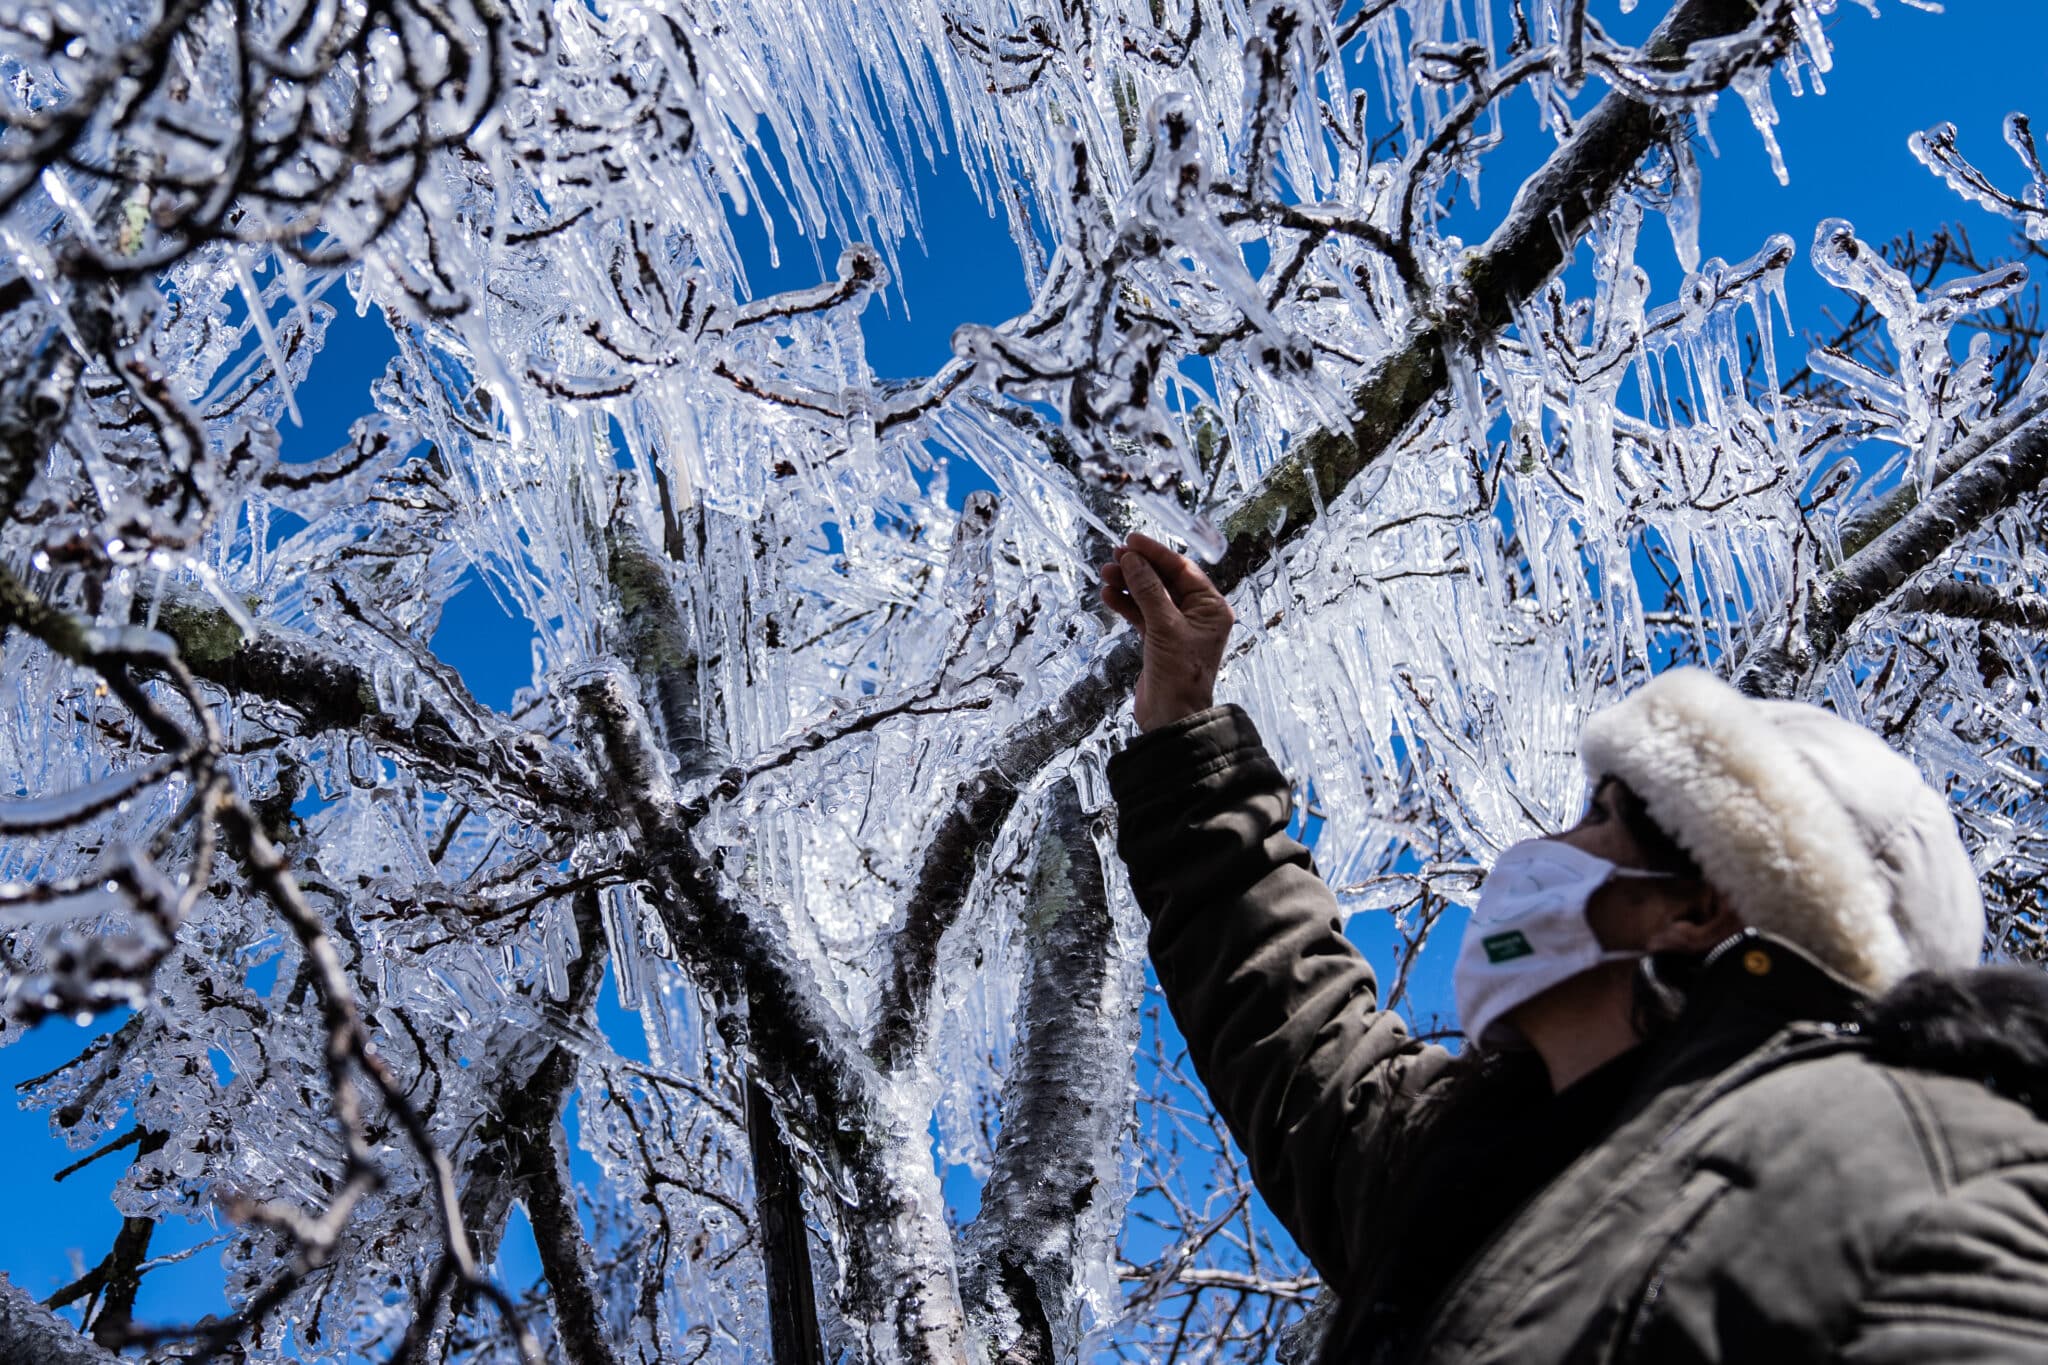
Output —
(1184, 621)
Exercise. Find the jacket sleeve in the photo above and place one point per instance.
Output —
(1279, 1009)
(1965, 1282)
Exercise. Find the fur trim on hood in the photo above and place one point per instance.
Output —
(1810, 825)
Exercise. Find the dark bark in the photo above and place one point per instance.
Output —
(32, 407)
(115, 1280)
(538, 1155)
(121, 1280)
(656, 641)
(521, 1157)
(1967, 601)
(1873, 521)
(1994, 481)
(779, 1212)
(979, 811)
(573, 1287)
(1062, 1106)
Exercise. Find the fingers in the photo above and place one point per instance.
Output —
(1117, 599)
(1150, 584)
(1184, 621)
(1142, 582)
(1179, 573)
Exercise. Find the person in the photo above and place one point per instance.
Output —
(1734, 1087)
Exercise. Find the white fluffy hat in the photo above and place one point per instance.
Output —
(1810, 825)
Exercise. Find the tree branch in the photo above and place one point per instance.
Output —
(332, 690)
(1870, 523)
(115, 1280)
(785, 1242)
(1971, 601)
(31, 1332)
(537, 1152)
(1989, 484)
(980, 807)
(657, 643)
(518, 1160)
(1997, 478)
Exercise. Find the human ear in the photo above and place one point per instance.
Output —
(1703, 919)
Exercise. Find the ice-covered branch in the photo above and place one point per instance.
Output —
(1872, 521)
(655, 639)
(1938, 151)
(1301, 1287)
(574, 1287)
(1994, 481)
(31, 1332)
(532, 1164)
(1043, 1223)
(350, 1053)
(459, 741)
(307, 151)
(2000, 476)
(1553, 207)
(1969, 601)
(37, 814)
(110, 1287)
(947, 868)
(350, 1056)
(1203, 1277)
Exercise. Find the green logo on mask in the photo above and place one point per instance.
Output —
(1506, 947)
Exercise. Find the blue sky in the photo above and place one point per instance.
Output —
(1848, 158)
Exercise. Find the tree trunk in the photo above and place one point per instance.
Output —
(1066, 1102)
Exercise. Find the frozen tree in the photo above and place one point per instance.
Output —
(808, 769)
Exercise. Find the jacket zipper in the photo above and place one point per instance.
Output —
(1799, 1042)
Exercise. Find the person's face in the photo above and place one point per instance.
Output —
(1643, 914)
(1602, 832)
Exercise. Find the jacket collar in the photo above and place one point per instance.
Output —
(1761, 971)
(1746, 991)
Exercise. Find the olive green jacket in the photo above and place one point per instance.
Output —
(1798, 1174)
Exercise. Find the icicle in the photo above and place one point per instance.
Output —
(259, 318)
(1682, 208)
(621, 915)
(1753, 84)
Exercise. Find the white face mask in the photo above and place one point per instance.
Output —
(1529, 932)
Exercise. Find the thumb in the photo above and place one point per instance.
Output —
(1142, 582)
